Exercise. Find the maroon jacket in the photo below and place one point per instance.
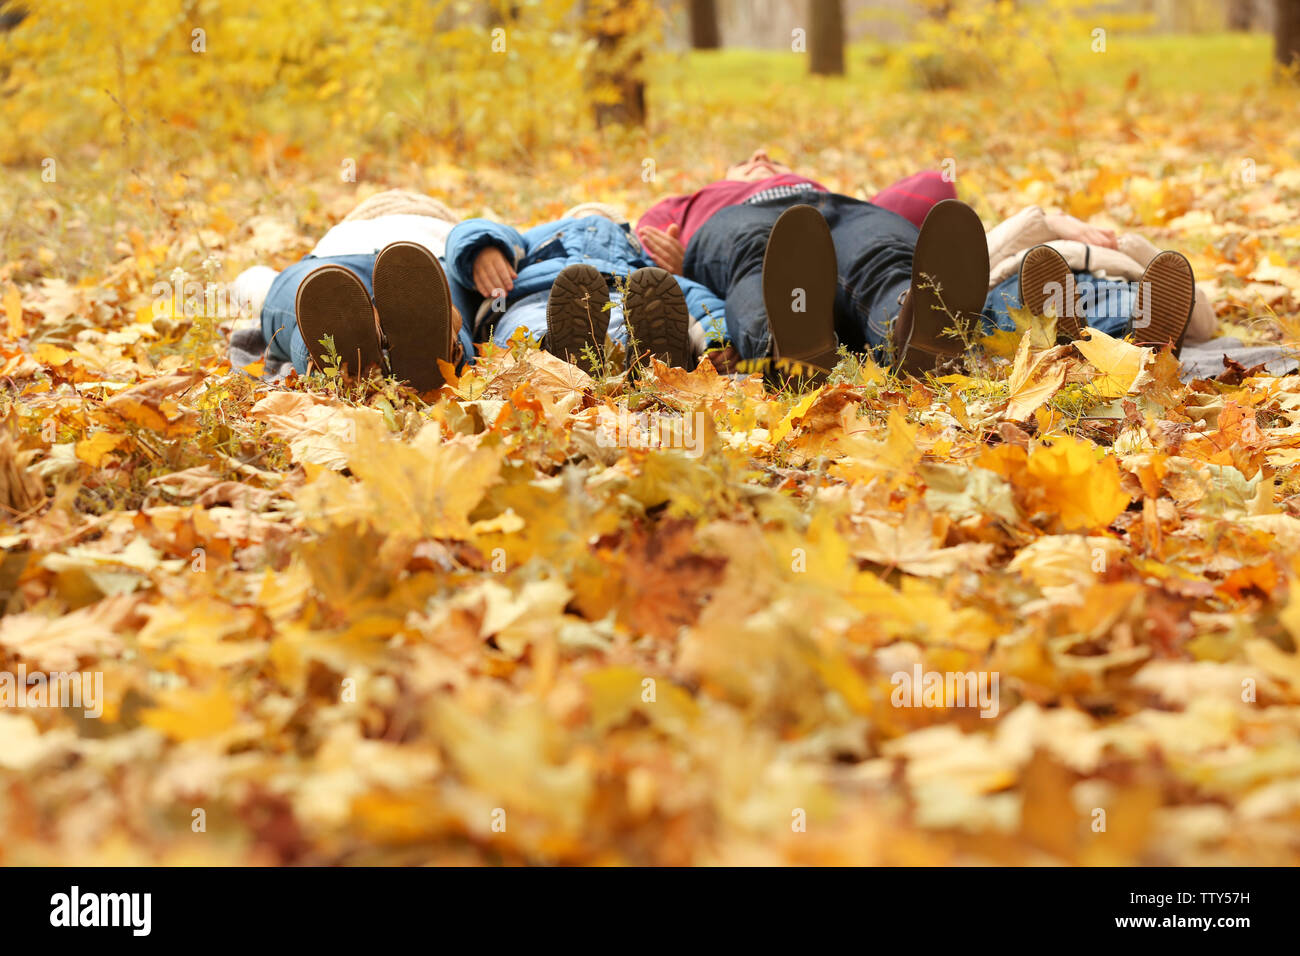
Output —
(911, 198)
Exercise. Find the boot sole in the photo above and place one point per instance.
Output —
(799, 265)
(333, 301)
(576, 317)
(1041, 269)
(950, 281)
(414, 304)
(1166, 295)
(657, 319)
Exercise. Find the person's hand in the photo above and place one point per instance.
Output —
(493, 275)
(1068, 227)
(664, 247)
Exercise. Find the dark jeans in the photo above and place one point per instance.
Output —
(873, 252)
(279, 319)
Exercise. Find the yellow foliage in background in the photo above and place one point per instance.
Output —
(963, 43)
(176, 78)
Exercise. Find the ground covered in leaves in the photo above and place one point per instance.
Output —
(352, 624)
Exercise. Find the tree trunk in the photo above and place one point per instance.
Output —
(704, 25)
(1241, 14)
(826, 37)
(1286, 32)
(11, 14)
(499, 15)
(615, 67)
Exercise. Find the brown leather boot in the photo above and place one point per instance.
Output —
(1165, 298)
(1047, 285)
(333, 302)
(413, 301)
(950, 281)
(800, 276)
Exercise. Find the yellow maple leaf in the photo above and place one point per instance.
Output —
(619, 690)
(422, 487)
(51, 356)
(97, 447)
(786, 425)
(1274, 661)
(1122, 365)
(1034, 380)
(189, 714)
(1083, 492)
(897, 454)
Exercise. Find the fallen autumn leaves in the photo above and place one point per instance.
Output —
(384, 631)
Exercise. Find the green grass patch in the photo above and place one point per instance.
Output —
(1228, 64)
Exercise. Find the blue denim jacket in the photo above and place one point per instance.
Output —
(541, 253)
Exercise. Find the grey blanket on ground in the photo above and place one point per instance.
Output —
(1201, 360)
(247, 346)
(1209, 359)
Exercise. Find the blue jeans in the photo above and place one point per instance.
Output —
(279, 319)
(1103, 304)
(530, 313)
(873, 253)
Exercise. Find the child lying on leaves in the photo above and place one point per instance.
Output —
(374, 285)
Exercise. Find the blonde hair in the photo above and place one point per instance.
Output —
(595, 209)
(401, 202)
(584, 209)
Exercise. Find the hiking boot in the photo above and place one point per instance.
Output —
(1163, 306)
(413, 300)
(333, 301)
(657, 321)
(576, 317)
(950, 281)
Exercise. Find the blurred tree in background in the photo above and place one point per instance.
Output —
(623, 32)
(965, 43)
(178, 77)
(826, 37)
(1286, 30)
(11, 14)
(1240, 14)
(172, 79)
(705, 34)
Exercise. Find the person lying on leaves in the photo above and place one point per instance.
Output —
(374, 288)
(572, 282)
(804, 271)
